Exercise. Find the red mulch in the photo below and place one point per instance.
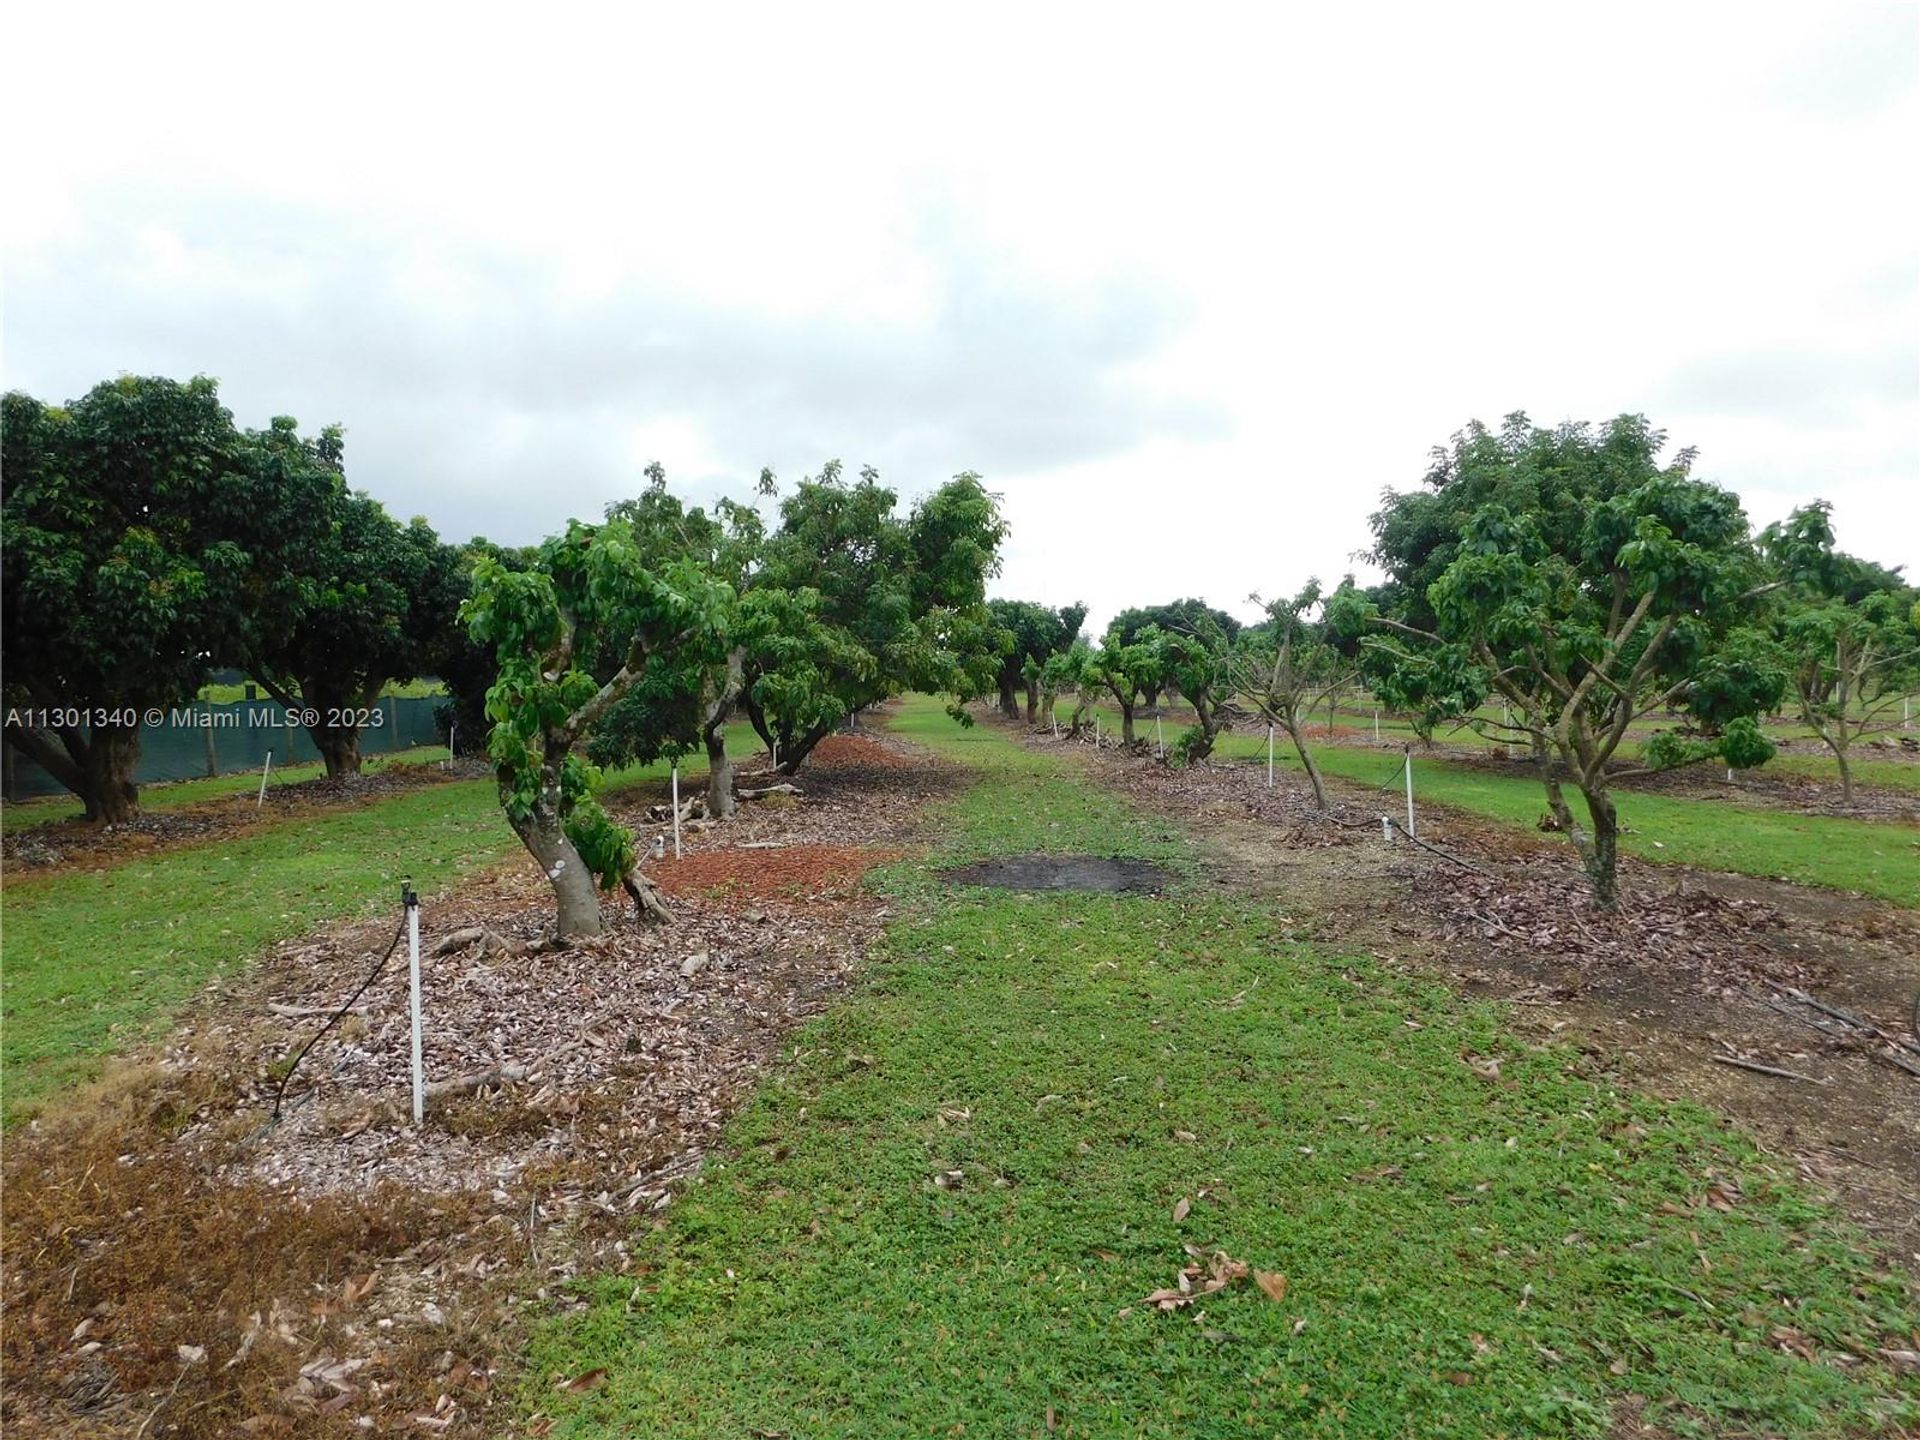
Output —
(792, 874)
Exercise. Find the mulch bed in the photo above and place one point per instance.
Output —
(792, 874)
(1525, 894)
(344, 1263)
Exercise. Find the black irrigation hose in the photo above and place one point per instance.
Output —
(365, 984)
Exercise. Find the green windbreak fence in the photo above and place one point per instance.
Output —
(199, 739)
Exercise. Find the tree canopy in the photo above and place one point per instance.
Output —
(1576, 576)
(1036, 634)
(146, 539)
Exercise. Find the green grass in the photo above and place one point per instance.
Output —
(1808, 758)
(404, 689)
(97, 960)
(1876, 857)
(1466, 1256)
(178, 794)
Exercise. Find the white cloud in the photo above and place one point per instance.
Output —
(1189, 293)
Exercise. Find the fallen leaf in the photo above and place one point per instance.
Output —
(1274, 1285)
(192, 1354)
(1181, 1210)
(586, 1380)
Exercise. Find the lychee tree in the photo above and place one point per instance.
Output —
(590, 589)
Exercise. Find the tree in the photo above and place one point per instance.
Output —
(879, 604)
(376, 602)
(1585, 583)
(466, 667)
(145, 539)
(687, 703)
(1849, 633)
(1175, 615)
(1199, 662)
(1293, 663)
(1066, 672)
(1128, 670)
(1037, 634)
(589, 591)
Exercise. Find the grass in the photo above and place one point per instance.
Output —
(97, 960)
(404, 689)
(1810, 758)
(179, 794)
(1876, 857)
(1466, 1256)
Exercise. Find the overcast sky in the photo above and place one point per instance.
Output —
(1188, 287)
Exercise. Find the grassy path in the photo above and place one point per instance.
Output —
(1468, 1253)
(179, 794)
(98, 959)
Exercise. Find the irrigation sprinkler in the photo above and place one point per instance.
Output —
(264, 771)
(676, 810)
(411, 900)
(1386, 828)
(1412, 834)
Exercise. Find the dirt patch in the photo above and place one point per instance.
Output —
(1696, 970)
(1098, 873)
(344, 1263)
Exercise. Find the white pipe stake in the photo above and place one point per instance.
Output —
(1411, 832)
(1159, 737)
(1376, 727)
(1269, 757)
(676, 812)
(264, 771)
(451, 727)
(413, 1001)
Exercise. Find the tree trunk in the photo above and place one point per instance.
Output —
(720, 701)
(1033, 701)
(1306, 760)
(62, 754)
(575, 896)
(1602, 856)
(1126, 722)
(112, 753)
(719, 774)
(339, 747)
(1009, 698)
(1846, 771)
(1150, 696)
(794, 754)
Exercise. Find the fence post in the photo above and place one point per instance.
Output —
(412, 902)
(393, 713)
(9, 780)
(1411, 832)
(213, 754)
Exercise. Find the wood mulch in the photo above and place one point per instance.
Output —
(341, 1262)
